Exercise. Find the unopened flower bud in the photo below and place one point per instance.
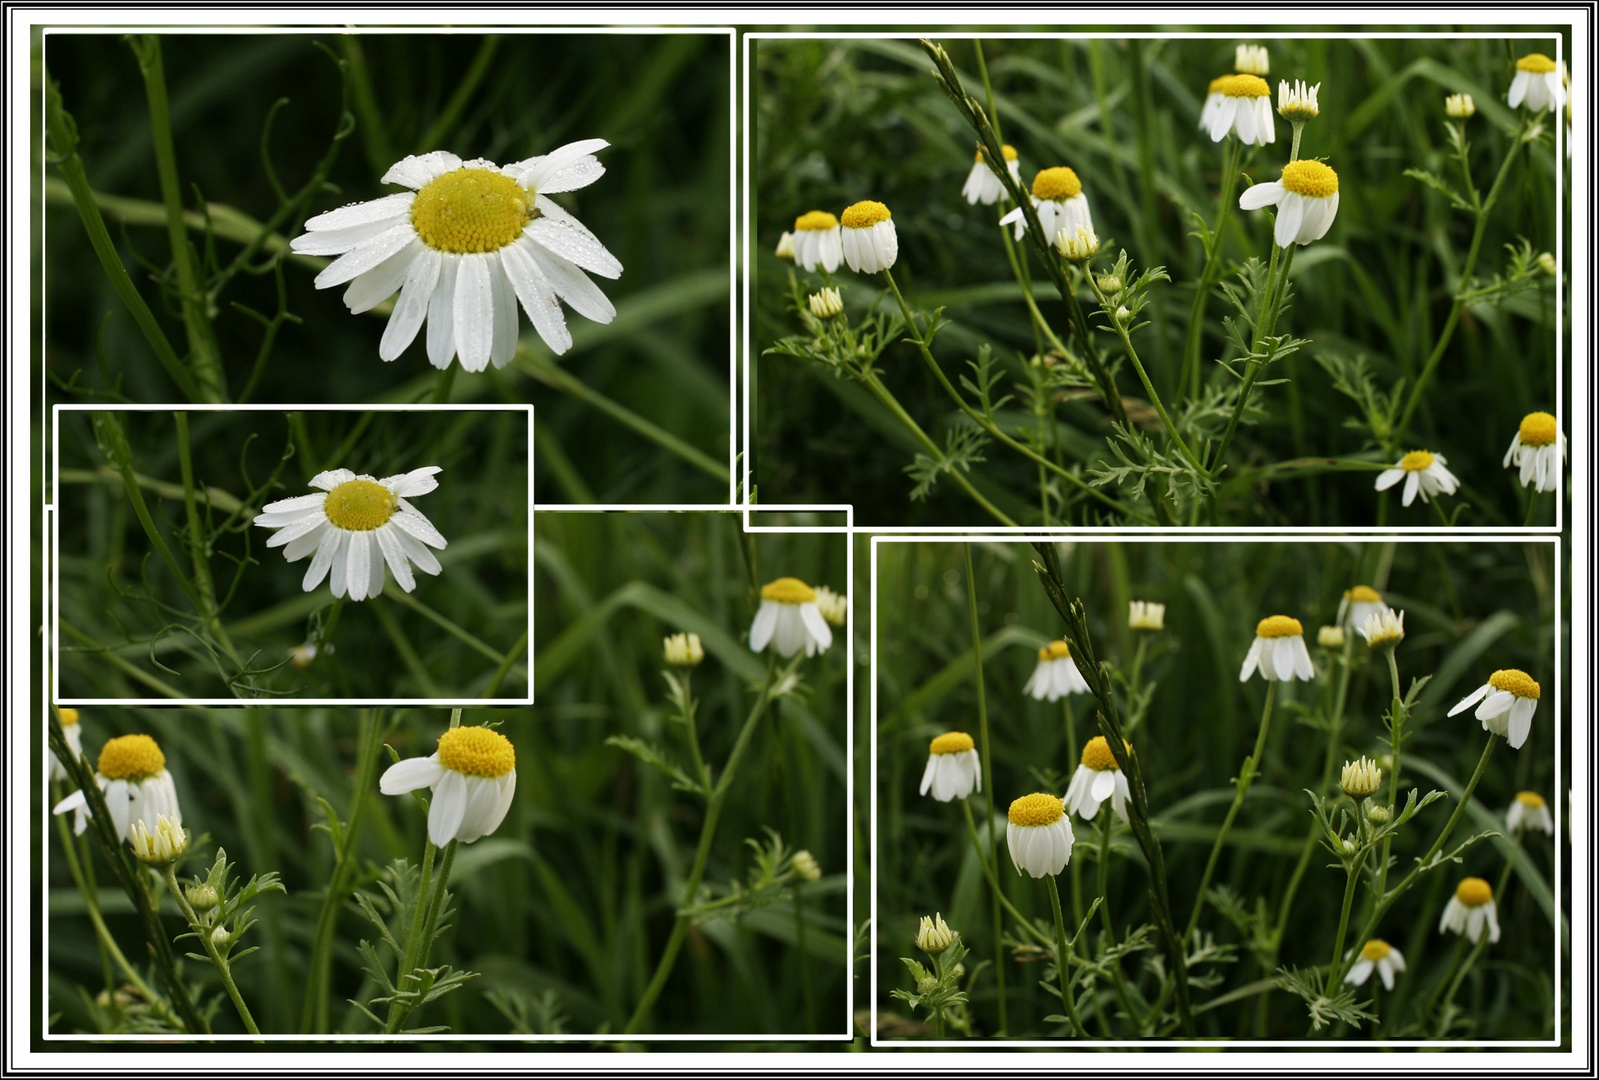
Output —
(1360, 778)
(1460, 106)
(1124, 316)
(1330, 637)
(162, 847)
(1378, 814)
(684, 650)
(826, 304)
(1110, 284)
(806, 866)
(926, 984)
(785, 246)
(220, 936)
(1082, 244)
(1143, 615)
(1546, 263)
(201, 897)
(934, 935)
(833, 606)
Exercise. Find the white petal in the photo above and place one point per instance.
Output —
(306, 544)
(354, 216)
(416, 523)
(330, 479)
(819, 631)
(560, 232)
(394, 554)
(1475, 696)
(1412, 485)
(421, 169)
(1521, 721)
(1497, 704)
(1283, 658)
(358, 569)
(538, 297)
(1518, 88)
(1302, 665)
(1245, 122)
(474, 311)
(540, 173)
(297, 505)
(574, 286)
(447, 809)
(410, 775)
(765, 624)
(927, 773)
(1251, 660)
(414, 483)
(1388, 478)
(352, 265)
(506, 332)
(1267, 194)
(296, 530)
(1359, 973)
(441, 314)
(423, 559)
(421, 278)
(338, 241)
(1104, 785)
(1290, 212)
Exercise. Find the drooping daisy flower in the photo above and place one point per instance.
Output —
(1212, 105)
(1306, 199)
(833, 606)
(356, 525)
(1056, 674)
(982, 186)
(1251, 60)
(72, 731)
(1296, 102)
(789, 620)
(1279, 651)
(933, 935)
(1376, 955)
(1245, 108)
(472, 776)
(1509, 698)
(1146, 615)
(870, 243)
(1384, 629)
(1469, 909)
(1039, 835)
(1359, 604)
(1537, 84)
(1098, 778)
(1529, 810)
(468, 242)
(816, 241)
(1538, 450)
(953, 769)
(132, 774)
(1058, 198)
(1422, 471)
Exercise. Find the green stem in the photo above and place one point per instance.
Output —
(988, 777)
(1246, 776)
(1063, 958)
(1106, 920)
(1396, 738)
(993, 882)
(1481, 943)
(198, 556)
(441, 387)
(1352, 876)
(218, 961)
(1265, 323)
(413, 939)
(1210, 275)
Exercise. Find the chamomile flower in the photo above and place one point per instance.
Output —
(463, 247)
(1056, 674)
(72, 731)
(355, 526)
(816, 241)
(132, 774)
(1245, 108)
(983, 186)
(1470, 909)
(1359, 604)
(1537, 84)
(833, 606)
(1529, 810)
(1538, 450)
(1296, 102)
(1306, 199)
(1251, 60)
(1423, 472)
(953, 769)
(1379, 956)
(1097, 778)
(1279, 651)
(1039, 835)
(1146, 615)
(472, 776)
(1058, 198)
(1213, 100)
(789, 620)
(1509, 698)
(870, 242)
(1384, 629)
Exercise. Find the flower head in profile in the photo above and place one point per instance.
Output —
(1079, 245)
(1529, 810)
(1279, 651)
(1379, 956)
(1059, 202)
(789, 620)
(1384, 629)
(953, 769)
(1424, 474)
(1508, 700)
(870, 243)
(982, 186)
(683, 650)
(1098, 778)
(1470, 909)
(1245, 109)
(72, 731)
(355, 526)
(1146, 615)
(463, 247)
(1213, 100)
(833, 606)
(1460, 107)
(1306, 199)
(1056, 674)
(1296, 102)
(816, 241)
(1537, 85)
(1251, 60)
(933, 935)
(1538, 449)
(161, 845)
(472, 776)
(1039, 835)
(1360, 603)
(132, 774)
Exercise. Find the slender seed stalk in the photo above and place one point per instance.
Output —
(1396, 738)
(1481, 944)
(1352, 876)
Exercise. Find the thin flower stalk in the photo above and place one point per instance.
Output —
(203, 933)
(988, 783)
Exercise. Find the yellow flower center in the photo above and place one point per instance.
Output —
(1416, 461)
(951, 742)
(1375, 949)
(1517, 682)
(1036, 809)
(1276, 626)
(1217, 83)
(815, 221)
(1530, 799)
(1538, 429)
(1537, 63)
(1474, 892)
(1055, 650)
(1058, 183)
(471, 210)
(1363, 594)
(1008, 152)
(476, 751)
(360, 505)
(131, 757)
(863, 215)
(789, 590)
(1097, 755)
(1251, 86)
(1310, 178)
(68, 716)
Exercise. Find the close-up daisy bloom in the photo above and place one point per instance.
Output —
(982, 186)
(1360, 603)
(1538, 449)
(472, 776)
(1097, 778)
(1508, 700)
(1470, 909)
(1245, 108)
(789, 620)
(1058, 198)
(72, 731)
(463, 247)
(1379, 956)
(1537, 84)
(1306, 199)
(870, 243)
(1423, 472)
(132, 774)
(1529, 810)
(816, 241)
(1056, 674)
(1039, 835)
(953, 769)
(355, 526)
(1278, 651)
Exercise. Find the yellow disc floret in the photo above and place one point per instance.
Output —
(815, 221)
(68, 716)
(789, 590)
(1251, 86)
(1008, 152)
(1276, 626)
(1537, 63)
(1058, 183)
(1375, 950)
(1363, 594)
(1531, 800)
(1055, 650)
(1416, 461)
(476, 751)
(952, 742)
(1538, 429)
(471, 210)
(1474, 892)
(1516, 682)
(1097, 755)
(863, 215)
(1310, 178)
(360, 505)
(1036, 809)
(131, 757)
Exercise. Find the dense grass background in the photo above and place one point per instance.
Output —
(839, 121)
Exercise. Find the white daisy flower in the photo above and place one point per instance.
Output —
(1039, 835)
(1146, 615)
(132, 774)
(1245, 108)
(472, 776)
(1098, 778)
(468, 242)
(1359, 604)
(953, 769)
(1251, 60)
(1538, 450)
(789, 620)
(1509, 698)
(1212, 105)
(1056, 674)
(1384, 629)
(1306, 199)
(868, 236)
(1058, 198)
(816, 241)
(1537, 84)
(1297, 102)
(1422, 471)
(983, 186)
(356, 525)
(1529, 810)
(1469, 909)
(1376, 955)
(1279, 651)
(72, 731)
